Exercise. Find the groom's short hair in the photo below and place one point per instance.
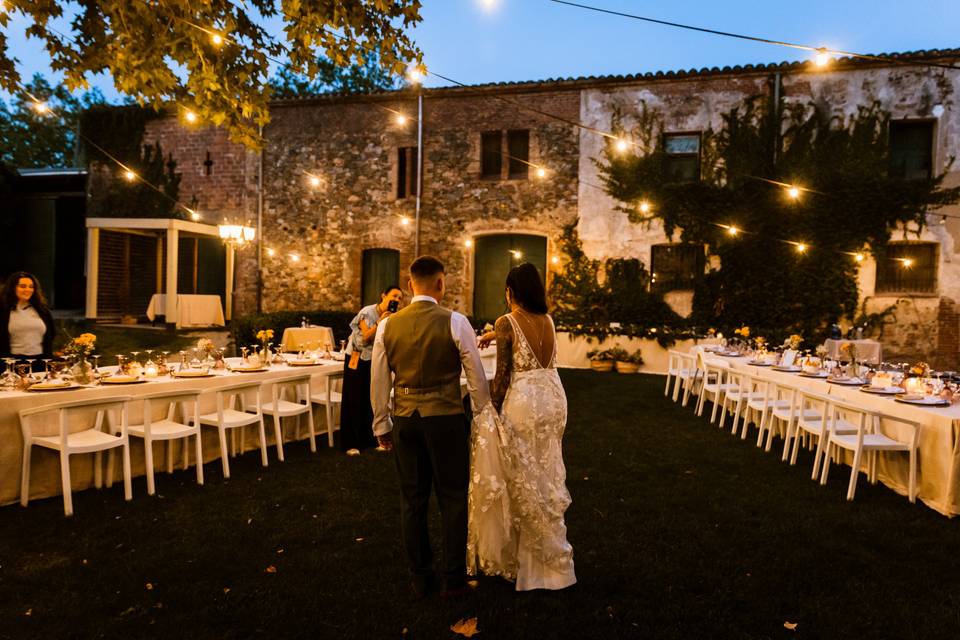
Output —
(425, 267)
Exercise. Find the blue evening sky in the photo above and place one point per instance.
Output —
(477, 41)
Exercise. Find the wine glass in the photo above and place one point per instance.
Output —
(121, 364)
(46, 369)
(96, 367)
(9, 377)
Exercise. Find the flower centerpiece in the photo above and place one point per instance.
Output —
(601, 360)
(850, 350)
(743, 334)
(79, 349)
(793, 342)
(916, 378)
(264, 336)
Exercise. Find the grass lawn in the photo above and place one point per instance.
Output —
(679, 531)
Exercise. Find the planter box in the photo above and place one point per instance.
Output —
(627, 367)
(572, 350)
(601, 365)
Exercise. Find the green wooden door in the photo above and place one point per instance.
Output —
(494, 256)
(381, 268)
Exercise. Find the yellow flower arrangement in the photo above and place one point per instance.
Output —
(920, 369)
(743, 331)
(265, 335)
(81, 346)
(794, 340)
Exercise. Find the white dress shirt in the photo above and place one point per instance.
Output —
(381, 381)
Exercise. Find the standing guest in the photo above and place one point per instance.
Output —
(356, 418)
(26, 324)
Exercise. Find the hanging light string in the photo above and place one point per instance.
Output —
(792, 45)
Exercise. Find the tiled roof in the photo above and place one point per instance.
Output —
(887, 59)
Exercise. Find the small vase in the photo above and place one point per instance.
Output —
(852, 369)
(81, 371)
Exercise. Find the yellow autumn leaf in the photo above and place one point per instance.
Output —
(792, 626)
(466, 628)
(270, 569)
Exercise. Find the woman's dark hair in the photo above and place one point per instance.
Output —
(527, 288)
(386, 290)
(9, 295)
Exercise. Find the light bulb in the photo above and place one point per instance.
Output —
(793, 192)
(555, 260)
(621, 145)
(190, 116)
(401, 119)
(315, 181)
(468, 243)
(541, 172)
(822, 57)
(800, 247)
(216, 39)
(41, 107)
(516, 254)
(405, 221)
(907, 262)
(194, 216)
(129, 176)
(733, 231)
(859, 257)
(644, 206)
(271, 252)
(414, 75)
(294, 257)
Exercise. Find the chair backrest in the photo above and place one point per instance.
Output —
(299, 383)
(66, 409)
(674, 360)
(171, 399)
(862, 418)
(816, 402)
(228, 394)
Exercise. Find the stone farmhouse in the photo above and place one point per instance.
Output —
(333, 192)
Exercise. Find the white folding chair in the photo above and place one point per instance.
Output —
(228, 417)
(92, 439)
(680, 368)
(816, 417)
(279, 407)
(168, 429)
(714, 382)
(868, 438)
(778, 403)
(330, 399)
(690, 376)
(748, 387)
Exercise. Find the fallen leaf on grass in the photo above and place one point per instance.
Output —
(149, 586)
(790, 625)
(249, 520)
(466, 628)
(270, 569)
(28, 612)
(279, 551)
(359, 539)
(226, 590)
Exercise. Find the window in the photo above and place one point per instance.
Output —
(518, 148)
(683, 157)
(491, 157)
(907, 267)
(381, 269)
(406, 172)
(911, 149)
(675, 266)
(514, 145)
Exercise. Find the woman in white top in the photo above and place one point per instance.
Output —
(26, 324)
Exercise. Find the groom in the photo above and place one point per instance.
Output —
(424, 346)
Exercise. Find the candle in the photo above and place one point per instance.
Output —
(150, 372)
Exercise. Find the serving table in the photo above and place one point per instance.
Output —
(192, 310)
(938, 479)
(869, 351)
(45, 466)
(297, 338)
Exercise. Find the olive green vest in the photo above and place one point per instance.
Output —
(425, 361)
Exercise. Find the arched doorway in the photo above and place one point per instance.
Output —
(494, 256)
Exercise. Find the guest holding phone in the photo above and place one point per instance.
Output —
(26, 324)
(356, 418)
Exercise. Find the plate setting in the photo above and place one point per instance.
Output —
(882, 391)
(41, 387)
(249, 369)
(121, 380)
(926, 401)
(786, 369)
(846, 382)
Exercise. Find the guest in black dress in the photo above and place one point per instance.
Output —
(356, 417)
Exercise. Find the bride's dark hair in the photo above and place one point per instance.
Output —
(526, 286)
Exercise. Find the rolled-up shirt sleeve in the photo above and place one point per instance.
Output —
(381, 382)
(466, 342)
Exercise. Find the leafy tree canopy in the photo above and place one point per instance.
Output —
(851, 202)
(365, 78)
(212, 57)
(32, 139)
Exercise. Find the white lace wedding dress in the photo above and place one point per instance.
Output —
(518, 491)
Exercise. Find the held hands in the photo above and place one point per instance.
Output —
(486, 339)
(386, 441)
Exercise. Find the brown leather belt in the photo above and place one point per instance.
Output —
(406, 391)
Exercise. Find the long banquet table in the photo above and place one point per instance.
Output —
(938, 478)
(45, 472)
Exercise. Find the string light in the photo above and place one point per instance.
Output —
(314, 181)
(468, 243)
(190, 116)
(645, 206)
(193, 214)
(859, 257)
(271, 252)
(732, 231)
(943, 220)
(555, 260)
(41, 107)
(401, 119)
(294, 257)
(822, 57)
(414, 75)
(801, 248)
(794, 193)
(129, 176)
(216, 39)
(541, 172)
(405, 221)
(516, 254)
(907, 262)
(621, 145)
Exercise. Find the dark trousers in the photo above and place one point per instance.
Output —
(356, 414)
(433, 452)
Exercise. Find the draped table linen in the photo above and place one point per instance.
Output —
(192, 310)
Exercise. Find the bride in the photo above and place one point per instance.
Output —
(518, 492)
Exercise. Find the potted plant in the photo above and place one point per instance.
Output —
(600, 360)
(626, 362)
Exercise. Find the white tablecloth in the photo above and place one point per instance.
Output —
(296, 338)
(192, 310)
(869, 351)
(45, 472)
(938, 479)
